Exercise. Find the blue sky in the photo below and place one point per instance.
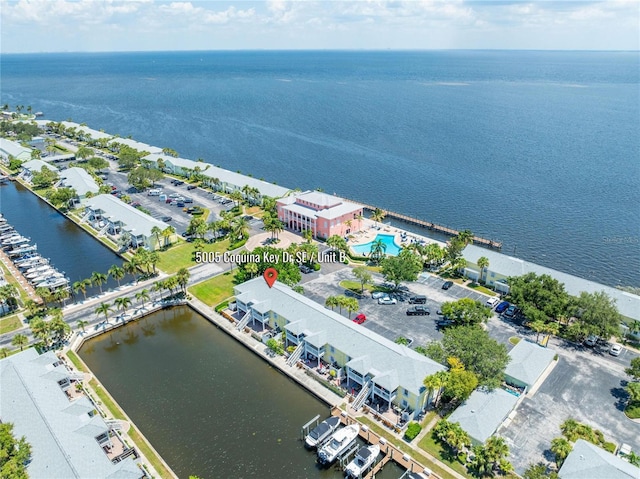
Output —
(111, 25)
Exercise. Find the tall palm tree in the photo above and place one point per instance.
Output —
(251, 268)
(496, 449)
(538, 326)
(45, 294)
(4, 352)
(561, 448)
(117, 273)
(78, 286)
(378, 215)
(483, 264)
(82, 323)
(331, 302)
(240, 227)
(98, 278)
(378, 248)
(130, 267)
(351, 304)
(122, 303)
(435, 383)
(20, 340)
(633, 458)
(61, 295)
(465, 237)
(104, 308)
(571, 429)
(166, 235)
(182, 277)
(157, 231)
(142, 296)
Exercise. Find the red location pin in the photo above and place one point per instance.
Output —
(270, 276)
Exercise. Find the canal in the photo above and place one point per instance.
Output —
(70, 249)
(208, 405)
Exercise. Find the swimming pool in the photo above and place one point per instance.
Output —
(392, 248)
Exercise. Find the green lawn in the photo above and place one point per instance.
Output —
(481, 289)
(10, 323)
(514, 340)
(73, 357)
(400, 444)
(633, 410)
(181, 255)
(10, 279)
(106, 400)
(355, 286)
(438, 451)
(144, 448)
(215, 290)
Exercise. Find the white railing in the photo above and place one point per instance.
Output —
(362, 396)
(295, 356)
(244, 321)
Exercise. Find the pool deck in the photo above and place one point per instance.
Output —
(371, 229)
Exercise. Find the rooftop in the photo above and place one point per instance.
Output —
(136, 145)
(12, 148)
(79, 180)
(589, 461)
(134, 220)
(325, 206)
(528, 362)
(628, 304)
(36, 165)
(62, 434)
(390, 364)
(483, 412)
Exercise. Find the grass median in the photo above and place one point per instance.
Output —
(9, 324)
(181, 255)
(215, 290)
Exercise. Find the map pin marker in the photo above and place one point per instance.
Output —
(270, 276)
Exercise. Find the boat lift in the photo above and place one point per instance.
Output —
(307, 427)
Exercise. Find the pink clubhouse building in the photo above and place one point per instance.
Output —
(325, 215)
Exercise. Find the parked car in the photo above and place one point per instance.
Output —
(387, 300)
(135, 204)
(191, 187)
(491, 302)
(591, 340)
(305, 269)
(418, 299)
(511, 311)
(361, 318)
(502, 307)
(188, 200)
(447, 284)
(445, 323)
(166, 219)
(418, 311)
(180, 204)
(615, 350)
(378, 294)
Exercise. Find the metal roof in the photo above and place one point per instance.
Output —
(628, 304)
(587, 460)
(40, 410)
(332, 206)
(391, 364)
(79, 180)
(12, 148)
(483, 412)
(133, 220)
(528, 361)
(36, 165)
(136, 145)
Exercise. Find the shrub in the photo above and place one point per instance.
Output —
(316, 266)
(413, 429)
(609, 446)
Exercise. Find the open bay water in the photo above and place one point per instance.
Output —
(208, 405)
(538, 149)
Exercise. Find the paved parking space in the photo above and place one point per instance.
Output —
(585, 385)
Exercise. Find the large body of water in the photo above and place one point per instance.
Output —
(538, 149)
(208, 405)
(70, 249)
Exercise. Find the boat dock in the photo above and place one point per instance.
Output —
(389, 451)
(20, 279)
(493, 244)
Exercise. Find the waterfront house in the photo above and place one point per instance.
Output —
(32, 167)
(589, 460)
(382, 371)
(68, 437)
(115, 144)
(108, 215)
(218, 178)
(502, 266)
(325, 215)
(13, 149)
(78, 179)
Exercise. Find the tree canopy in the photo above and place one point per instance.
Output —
(477, 351)
(541, 298)
(14, 454)
(404, 267)
(597, 314)
(288, 272)
(466, 311)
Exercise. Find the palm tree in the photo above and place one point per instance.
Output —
(351, 304)
(61, 295)
(538, 326)
(378, 248)
(465, 237)
(239, 227)
(104, 308)
(122, 303)
(236, 196)
(99, 279)
(117, 273)
(633, 458)
(20, 340)
(166, 234)
(78, 286)
(571, 429)
(142, 296)
(4, 352)
(435, 383)
(483, 264)
(551, 328)
(496, 449)
(157, 231)
(378, 215)
(45, 294)
(130, 267)
(561, 448)
(82, 323)
(182, 277)
(251, 268)
(331, 302)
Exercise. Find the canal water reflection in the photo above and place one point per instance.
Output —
(208, 405)
(69, 247)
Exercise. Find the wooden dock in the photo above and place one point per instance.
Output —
(389, 451)
(20, 279)
(494, 244)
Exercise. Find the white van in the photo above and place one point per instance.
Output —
(154, 193)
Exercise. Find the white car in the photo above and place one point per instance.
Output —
(387, 300)
(378, 294)
(491, 302)
(591, 340)
(615, 350)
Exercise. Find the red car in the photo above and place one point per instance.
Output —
(361, 318)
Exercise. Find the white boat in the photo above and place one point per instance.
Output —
(365, 458)
(16, 240)
(46, 277)
(54, 283)
(39, 274)
(322, 431)
(25, 258)
(8, 236)
(338, 443)
(22, 250)
(37, 270)
(31, 262)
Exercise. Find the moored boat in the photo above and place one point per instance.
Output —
(46, 277)
(364, 459)
(16, 240)
(338, 443)
(36, 269)
(46, 269)
(54, 283)
(322, 431)
(22, 250)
